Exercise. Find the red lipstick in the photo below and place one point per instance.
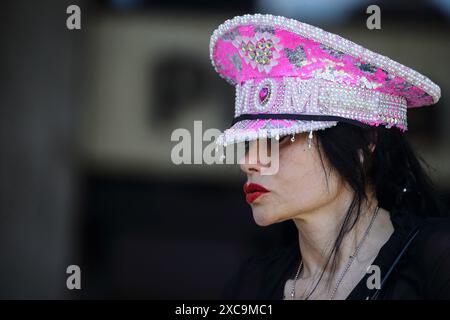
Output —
(253, 191)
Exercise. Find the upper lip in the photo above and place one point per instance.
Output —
(254, 187)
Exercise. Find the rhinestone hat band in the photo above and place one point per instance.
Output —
(317, 98)
(293, 116)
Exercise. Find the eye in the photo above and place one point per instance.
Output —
(247, 146)
(283, 138)
(280, 140)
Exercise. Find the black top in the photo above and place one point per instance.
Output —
(422, 271)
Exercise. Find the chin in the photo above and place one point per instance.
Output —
(263, 218)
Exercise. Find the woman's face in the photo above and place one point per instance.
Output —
(298, 188)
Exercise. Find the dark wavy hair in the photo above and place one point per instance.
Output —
(392, 169)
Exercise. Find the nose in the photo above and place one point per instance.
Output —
(250, 163)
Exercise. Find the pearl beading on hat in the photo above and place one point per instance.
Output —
(330, 39)
(239, 132)
(321, 97)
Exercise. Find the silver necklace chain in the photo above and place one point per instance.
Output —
(348, 265)
(300, 267)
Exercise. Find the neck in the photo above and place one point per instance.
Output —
(319, 228)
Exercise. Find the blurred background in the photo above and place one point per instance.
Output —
(85, 125)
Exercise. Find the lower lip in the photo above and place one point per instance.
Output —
(250, 197)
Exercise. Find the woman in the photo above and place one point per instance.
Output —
(360, 201)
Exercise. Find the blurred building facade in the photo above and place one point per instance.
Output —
(87, 177)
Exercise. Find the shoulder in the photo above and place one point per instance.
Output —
(434, 236)
(431, 254)
(432, 240)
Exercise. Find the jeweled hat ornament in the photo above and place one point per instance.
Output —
(291, 77)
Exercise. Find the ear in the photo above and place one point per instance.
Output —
(361, 156)
(373, 139)
(360, 152)
(372, 147)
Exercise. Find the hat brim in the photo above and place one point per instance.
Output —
(248, 130)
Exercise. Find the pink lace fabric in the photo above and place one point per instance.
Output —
(304, 58)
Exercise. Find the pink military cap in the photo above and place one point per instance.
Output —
(291, 77)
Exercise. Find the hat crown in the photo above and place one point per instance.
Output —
(286, 68)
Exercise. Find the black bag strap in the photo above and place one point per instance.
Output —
(409, 240)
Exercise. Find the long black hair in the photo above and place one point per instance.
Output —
(383, 159)
(389, 165)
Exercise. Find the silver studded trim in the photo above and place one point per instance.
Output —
(323, 97)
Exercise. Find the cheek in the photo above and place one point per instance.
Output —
(302, 184)
(299, 185)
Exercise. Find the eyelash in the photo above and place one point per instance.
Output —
(280, 141)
